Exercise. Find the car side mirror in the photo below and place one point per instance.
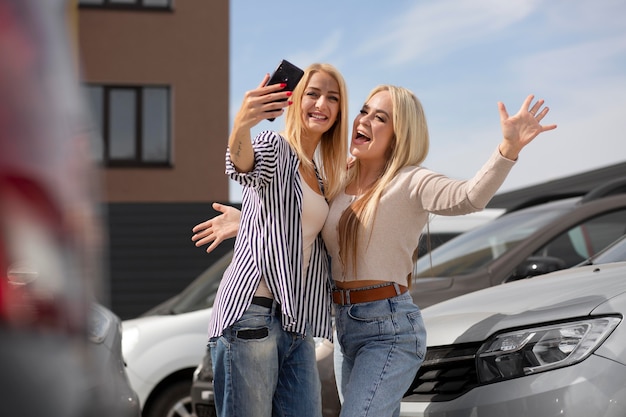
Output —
(536, 265)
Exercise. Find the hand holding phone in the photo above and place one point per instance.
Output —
(287, 73)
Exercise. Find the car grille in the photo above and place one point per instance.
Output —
(446, 373)
(204, 410)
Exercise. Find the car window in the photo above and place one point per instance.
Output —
(586, 239)
(200, 294)
(615, 253)
(474, 249)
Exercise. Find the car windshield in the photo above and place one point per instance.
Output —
(200, 294)
(474, 249)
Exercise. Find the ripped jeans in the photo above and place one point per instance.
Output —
(261, 370)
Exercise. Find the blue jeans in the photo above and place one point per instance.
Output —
(261, 370)
(383, 345)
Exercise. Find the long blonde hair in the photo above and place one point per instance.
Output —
(409, 147)
(333, 148)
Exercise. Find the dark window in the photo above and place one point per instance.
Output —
(586, 239)
(129, 4)
(133, 125)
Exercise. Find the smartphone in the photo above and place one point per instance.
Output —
(287, 73)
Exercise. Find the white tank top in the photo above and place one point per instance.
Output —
(314, 212)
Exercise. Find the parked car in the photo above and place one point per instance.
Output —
(164, 346)
(526, 242)
(554, 345)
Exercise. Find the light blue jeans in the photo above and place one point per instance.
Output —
(383, 344)
(260, 370)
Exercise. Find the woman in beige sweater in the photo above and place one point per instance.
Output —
(372, 233)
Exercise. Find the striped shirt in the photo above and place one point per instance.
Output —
(269, 245)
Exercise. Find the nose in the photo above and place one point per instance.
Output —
(321, 102)
(365, 119)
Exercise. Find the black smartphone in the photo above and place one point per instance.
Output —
(287, 73)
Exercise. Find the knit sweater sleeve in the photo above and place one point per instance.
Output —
(439, 194)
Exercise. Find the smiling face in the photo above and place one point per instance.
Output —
(372, 131)
(320, 103)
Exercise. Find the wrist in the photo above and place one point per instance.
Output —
(508, 151)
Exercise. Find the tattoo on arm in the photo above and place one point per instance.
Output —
(238, 151)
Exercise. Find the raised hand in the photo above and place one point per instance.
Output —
(520, 129)
(261, 103)
(258, 104)
(217, 229)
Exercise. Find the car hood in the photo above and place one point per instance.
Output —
(148, 333)
(560, 295)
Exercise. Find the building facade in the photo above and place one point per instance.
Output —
(156, 78)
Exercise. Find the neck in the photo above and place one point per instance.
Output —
(367, 175)
(309, 144)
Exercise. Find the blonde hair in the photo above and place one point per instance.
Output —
(409, 147)
(332, 151)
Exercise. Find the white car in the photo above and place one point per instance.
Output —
(551, 346)
(163, 347)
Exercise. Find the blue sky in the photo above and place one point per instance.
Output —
(460, 57)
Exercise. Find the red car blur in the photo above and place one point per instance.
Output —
(59, 350)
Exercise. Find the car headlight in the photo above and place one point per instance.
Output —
(99, 324)
(528, 351)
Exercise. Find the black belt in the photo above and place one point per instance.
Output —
(266, 302)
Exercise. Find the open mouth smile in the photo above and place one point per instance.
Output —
(318, 116)
(361, 137)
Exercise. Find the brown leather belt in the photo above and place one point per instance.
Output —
(366, 294)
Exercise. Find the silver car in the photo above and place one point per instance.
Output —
(551, 346)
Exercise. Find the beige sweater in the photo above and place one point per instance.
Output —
(402, 214)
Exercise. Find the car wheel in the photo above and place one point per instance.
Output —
(173, 401)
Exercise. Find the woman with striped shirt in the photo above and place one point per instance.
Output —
(275, 295)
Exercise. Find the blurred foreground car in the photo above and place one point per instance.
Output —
(551, 346)
(164, 346)
(111, 381)
(524, 243)
(59, 356)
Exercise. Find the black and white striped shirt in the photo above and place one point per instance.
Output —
(269, 244)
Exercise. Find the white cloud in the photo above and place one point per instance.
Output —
(585, 62)
(435, 29)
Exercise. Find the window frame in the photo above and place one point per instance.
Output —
(137, 5)
(103, 130)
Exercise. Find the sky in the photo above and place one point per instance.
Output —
(460, 58)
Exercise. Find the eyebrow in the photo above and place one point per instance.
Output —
(319, 89)
(367, 107)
